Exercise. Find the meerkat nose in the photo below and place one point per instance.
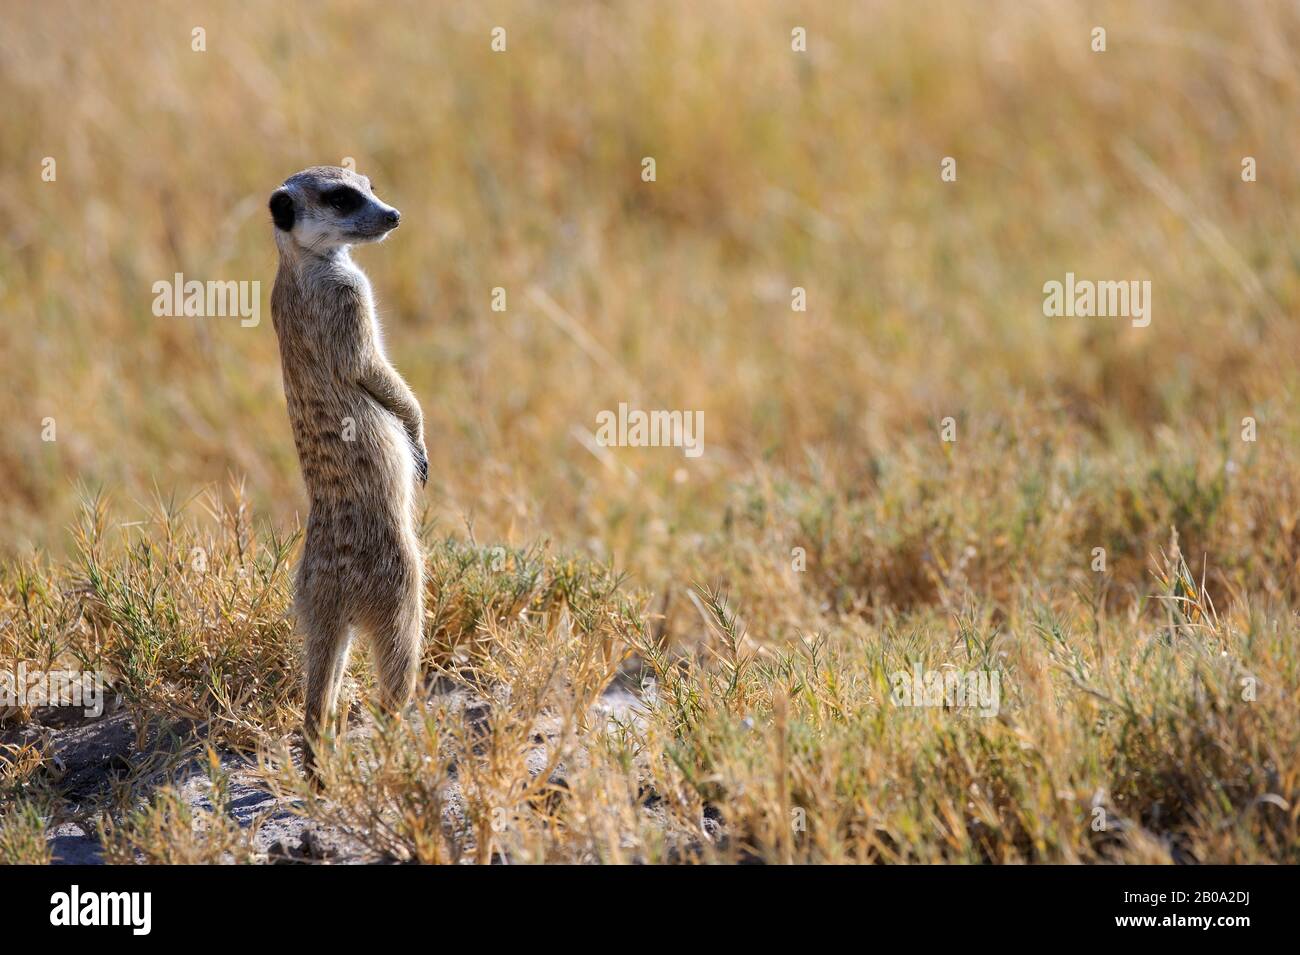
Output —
(394, 217)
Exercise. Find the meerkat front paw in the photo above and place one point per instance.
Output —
(422, 464)
(419, 453)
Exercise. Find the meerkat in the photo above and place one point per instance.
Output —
(359, 433)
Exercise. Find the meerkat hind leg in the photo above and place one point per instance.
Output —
(395, 637)
(327, 643)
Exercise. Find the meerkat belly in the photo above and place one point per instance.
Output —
(351, 449)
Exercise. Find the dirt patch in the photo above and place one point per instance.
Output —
(92, 755)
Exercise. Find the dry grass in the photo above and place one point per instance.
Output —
(1121, 691)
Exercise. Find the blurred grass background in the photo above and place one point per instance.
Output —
(775, 169)
(1168, 704)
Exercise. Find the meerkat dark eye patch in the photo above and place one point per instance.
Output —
(282, 210)
(343, 199)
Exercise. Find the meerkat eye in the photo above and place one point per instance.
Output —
(343, 199)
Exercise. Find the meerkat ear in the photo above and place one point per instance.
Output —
(282, 209)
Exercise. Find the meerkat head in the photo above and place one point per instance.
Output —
(327, 207)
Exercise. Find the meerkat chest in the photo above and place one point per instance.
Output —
(362, 298)
(368, 318)
(349, 274)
